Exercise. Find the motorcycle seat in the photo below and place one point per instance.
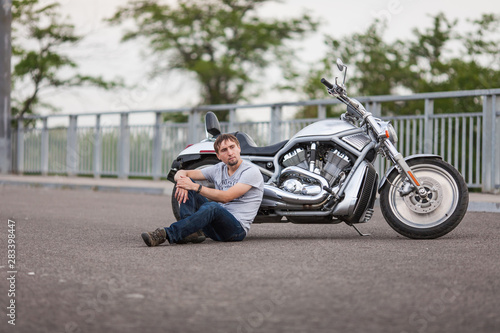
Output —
(249, 147)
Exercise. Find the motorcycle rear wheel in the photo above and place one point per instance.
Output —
(207, 162)
(434, 216)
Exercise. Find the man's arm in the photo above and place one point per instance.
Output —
(230, 194)
(181, 194)
(193, 174)
(225, 196)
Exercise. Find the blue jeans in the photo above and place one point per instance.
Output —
(197, 213)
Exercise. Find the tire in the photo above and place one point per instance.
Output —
(206, 162)
(433, 217)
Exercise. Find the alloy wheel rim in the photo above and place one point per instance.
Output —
(441, 202)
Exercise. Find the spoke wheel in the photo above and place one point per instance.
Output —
(432, 215)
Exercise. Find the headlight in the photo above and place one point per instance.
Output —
(388, 128)
(393, 136)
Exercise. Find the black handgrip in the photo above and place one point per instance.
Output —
(326, 83)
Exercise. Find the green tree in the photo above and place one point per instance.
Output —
(473, 65)
(438, 58)
(444, 59)
(38, 33)
(379, 67)
(311, 88)
(222, 42)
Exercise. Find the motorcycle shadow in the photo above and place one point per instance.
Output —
(372, 233)
(302, 233)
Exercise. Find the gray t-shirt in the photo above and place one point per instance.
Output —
(245, 207)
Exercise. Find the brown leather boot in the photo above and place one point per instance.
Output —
(154, 238)
(195, 237)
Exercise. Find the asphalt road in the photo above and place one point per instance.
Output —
(82, 267)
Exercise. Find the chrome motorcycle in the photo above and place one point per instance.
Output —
(325, 174)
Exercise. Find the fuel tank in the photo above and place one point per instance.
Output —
(324, 127)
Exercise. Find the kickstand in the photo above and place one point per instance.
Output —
(359, 232)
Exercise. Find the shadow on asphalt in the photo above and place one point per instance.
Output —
(267, 239)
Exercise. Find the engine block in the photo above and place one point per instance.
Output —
(329, 164)
(336, 162)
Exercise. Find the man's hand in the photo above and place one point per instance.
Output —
(179, 174)
(184, 184)
(181, 195)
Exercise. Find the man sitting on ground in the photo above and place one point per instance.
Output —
(235, 200)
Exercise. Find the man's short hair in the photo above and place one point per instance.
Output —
(223, 137)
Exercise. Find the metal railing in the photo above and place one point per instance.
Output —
(470, 141)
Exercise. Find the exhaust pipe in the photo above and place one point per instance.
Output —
(273, 196)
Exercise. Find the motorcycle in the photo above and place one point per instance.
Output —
(325, 174)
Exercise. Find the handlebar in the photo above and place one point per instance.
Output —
(354, 108)
(326, 83)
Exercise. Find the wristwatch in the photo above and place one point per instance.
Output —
(199, 189)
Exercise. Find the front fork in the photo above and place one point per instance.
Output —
(405, 168)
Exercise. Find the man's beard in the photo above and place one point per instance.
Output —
(233, 163)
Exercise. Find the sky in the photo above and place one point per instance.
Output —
(102, 53)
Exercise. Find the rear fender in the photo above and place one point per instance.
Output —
(191, 153)
(203, 147)
(408, 158)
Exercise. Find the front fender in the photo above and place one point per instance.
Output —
(408, 158)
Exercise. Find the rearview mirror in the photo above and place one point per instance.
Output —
(342, 67)
(340, 64)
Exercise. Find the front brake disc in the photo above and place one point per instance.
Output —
(426, 205)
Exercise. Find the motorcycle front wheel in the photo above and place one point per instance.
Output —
(193, 166)
(426, 218)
